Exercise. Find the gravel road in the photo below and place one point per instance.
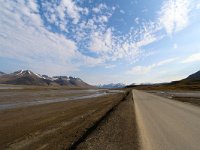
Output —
(165, 124)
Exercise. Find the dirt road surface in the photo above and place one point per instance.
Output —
(165, 124)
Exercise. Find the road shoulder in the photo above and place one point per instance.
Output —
(117, 131)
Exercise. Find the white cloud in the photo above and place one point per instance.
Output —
(103, 19)
(96, 10)
(101, 43)
(113, 8)
(31, 38)
(90, 61)
(102, 40)
(33, 6)
(192, 58)
(146, 40)
(99, 8)
(59, 14)
(174, 15)
(122, 11)
(164, 62)
(71, 8)
(32, 43)
(112, 47)
(137, 20)
(138, 70)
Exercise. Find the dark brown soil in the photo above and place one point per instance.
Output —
(191, 100)
(52, 126)
(118, 131)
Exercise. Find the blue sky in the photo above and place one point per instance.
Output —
(102, 41)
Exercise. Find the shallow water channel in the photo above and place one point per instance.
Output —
(70, 95)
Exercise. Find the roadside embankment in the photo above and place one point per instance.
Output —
(116, 131)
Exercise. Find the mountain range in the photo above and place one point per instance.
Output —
(27, 77)
(112, 85)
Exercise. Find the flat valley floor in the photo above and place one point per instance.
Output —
(97, 119)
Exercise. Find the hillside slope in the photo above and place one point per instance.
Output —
(192, 82)
(27, 77)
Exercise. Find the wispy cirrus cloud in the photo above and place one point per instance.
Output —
(139, 70)
(192, 58)
(174, 15)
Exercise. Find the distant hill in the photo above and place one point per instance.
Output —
(192, 82)
(195, 76)
(112, 85)
(2, 73)
(27, 77)
(193, 79)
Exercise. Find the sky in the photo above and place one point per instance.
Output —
(102, 41)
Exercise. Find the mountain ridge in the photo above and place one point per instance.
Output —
(112, 85)
(27, 77)
(194, 76)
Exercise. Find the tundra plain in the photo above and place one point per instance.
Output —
(40, 117)
(55, 124)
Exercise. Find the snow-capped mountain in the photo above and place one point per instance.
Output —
(112, 85)
(27, 77)
(24, 77)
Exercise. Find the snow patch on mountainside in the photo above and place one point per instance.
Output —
(112, 85)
